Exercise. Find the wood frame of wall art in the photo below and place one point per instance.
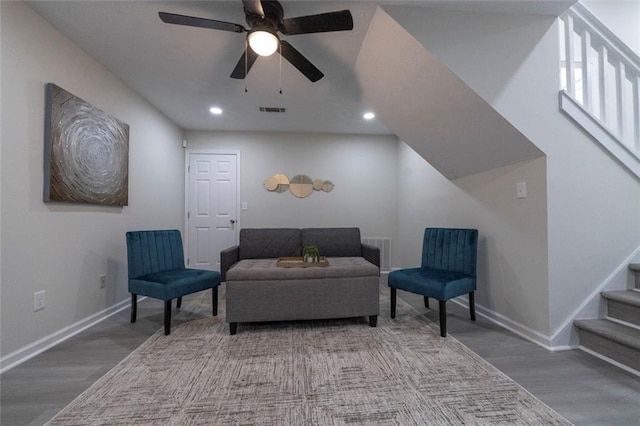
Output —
(86, 152)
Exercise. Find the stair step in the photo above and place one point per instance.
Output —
(623, 305)
(613, 340)
(626, 296)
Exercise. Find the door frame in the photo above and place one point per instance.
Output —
(187, 155)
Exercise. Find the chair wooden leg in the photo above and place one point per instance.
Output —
(472, 305)
(393, 302)
(214, 300)
(134, 306)
(443, 317)
(426, 302)
(233, 328)
(167, 317)
(179, 303)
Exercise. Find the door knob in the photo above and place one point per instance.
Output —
(232, 221)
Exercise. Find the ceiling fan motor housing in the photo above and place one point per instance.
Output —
(272, 19)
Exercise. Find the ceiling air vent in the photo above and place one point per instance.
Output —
(272, 109)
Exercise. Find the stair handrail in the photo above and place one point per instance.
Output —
(622, 119)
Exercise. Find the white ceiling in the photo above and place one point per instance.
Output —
(183, 71)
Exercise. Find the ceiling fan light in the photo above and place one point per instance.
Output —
(264, 43)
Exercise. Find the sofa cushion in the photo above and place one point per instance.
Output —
(269, 243)
(334, 242)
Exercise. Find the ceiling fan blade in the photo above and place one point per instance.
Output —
(192, 21)
(300, 62)
(245, 63)
(253, 7)
(321, 23)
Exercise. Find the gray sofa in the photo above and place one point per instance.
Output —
(258, 290)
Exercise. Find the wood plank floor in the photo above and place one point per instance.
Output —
(584, 389)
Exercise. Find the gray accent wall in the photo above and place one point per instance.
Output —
(362, 167)
(64, 248)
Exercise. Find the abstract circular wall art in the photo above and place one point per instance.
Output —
(86, 152)
(300, 186)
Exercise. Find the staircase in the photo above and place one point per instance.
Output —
(601, 93)
(600, 77)
(616, 337)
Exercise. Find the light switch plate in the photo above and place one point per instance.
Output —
(521, 190)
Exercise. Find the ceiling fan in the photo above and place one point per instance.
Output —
(265, 19)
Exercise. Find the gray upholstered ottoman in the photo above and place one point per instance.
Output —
(258, 290)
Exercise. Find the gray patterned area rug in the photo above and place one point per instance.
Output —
(334, 372)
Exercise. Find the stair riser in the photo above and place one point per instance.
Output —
(624, 312)
(623, 354)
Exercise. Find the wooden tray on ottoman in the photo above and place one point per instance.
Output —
(298, 262)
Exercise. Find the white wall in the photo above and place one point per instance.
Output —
(1, 127)
(64, 248)
(621, 17)
(362, 167)
(592, 203)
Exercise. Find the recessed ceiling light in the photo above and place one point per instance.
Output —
(215, 110)
(369, 116)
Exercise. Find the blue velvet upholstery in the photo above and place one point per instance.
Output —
(156, 269)
(448, 270)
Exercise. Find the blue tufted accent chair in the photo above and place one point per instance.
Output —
(448, 270)
(156, 269)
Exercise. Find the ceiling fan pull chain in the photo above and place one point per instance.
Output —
(280, 52)
(246, 56)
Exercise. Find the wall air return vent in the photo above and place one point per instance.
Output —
(272, 109)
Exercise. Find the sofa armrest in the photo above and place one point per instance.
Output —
(372, 254)
(228, 257)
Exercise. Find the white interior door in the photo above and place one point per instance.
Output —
(212, 207)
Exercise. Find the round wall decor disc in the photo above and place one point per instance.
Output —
(301, 186)
(271, 183)
(317, 184)
(327, 186)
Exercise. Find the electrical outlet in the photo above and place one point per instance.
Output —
(103, 281)
(38, 300)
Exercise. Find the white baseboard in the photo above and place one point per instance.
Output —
(27, 352)
(513, 326)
